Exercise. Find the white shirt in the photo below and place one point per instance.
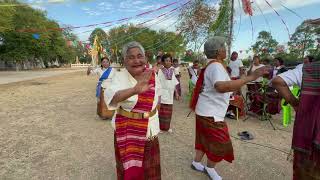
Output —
(123, 80)
(98, 71)
(167, 87)
(293, 77)
(275, 71)
(194, 75)
(260, 79)
(212, 103)
(235, 67)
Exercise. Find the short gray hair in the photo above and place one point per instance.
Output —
(131, 45)
(213, 45)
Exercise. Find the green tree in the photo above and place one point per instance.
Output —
(32, 37)
(153, 41)
(221, 26)
(265, 45)
(102, 35)
(194, 22)
(303, 39)
(6, 14)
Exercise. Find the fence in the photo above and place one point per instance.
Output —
(80, 65)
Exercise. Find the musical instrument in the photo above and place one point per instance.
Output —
(102, 109)
(258, 99)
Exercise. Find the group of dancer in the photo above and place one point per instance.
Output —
(142, 99)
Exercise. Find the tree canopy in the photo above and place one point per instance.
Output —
(304, 40)
(153, 41)
(265, 44)
(29, 35)
(195, 20)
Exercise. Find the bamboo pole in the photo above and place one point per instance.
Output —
(231, 28)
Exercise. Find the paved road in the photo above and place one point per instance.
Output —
(7, 77)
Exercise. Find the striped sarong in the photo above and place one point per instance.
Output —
(165, 115)
(131, 135)
(151, 162)
(306, 132)
(305, 166)
(213, 139)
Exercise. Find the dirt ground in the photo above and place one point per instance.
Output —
(49, 130)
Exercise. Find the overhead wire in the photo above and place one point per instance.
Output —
(240, 21)
(264, 17)
(282, 20)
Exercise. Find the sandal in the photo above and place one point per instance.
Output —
(245, 135)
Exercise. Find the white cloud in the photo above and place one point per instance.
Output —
(83, 36)
(125, 4)
(147, 7)
(167, 25)
(85, 8)
(136, 6)
(102, 9)
(94, 13)
(105, 6)
(40, 7)
(137, 2)
(55, 1)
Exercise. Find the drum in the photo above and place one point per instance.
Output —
(102, 109)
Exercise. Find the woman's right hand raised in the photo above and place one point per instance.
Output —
(260, 72)
(143, 82)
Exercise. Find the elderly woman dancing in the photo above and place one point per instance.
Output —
(133, 93)
(211, 101)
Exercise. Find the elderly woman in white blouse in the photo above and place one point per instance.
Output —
(212, 134)
(134, 93)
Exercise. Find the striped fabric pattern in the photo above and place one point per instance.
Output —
(131, 133)
(213, 139)
(165, 115)
(311, 82)
(306, 132)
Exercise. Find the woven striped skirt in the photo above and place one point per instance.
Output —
(305, 166)
(151, 161)
(213, 139)
(165, 115)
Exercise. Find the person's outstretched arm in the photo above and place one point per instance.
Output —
(234, 85)
(281, 86)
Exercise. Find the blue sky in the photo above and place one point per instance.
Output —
(85, 12)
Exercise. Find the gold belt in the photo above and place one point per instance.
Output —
(135, 115)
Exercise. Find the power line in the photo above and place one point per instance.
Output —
(292, 11)
(285, 24)
(265, 18)
(240, 21)
(103, 23)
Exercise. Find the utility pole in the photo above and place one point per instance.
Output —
(231, 27)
